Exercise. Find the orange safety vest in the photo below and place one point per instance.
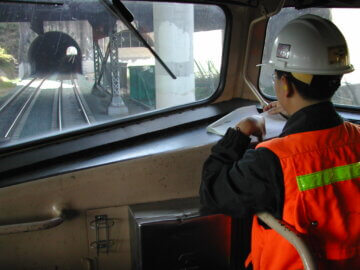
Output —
(321, 200)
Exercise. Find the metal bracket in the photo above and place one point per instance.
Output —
(101, 223)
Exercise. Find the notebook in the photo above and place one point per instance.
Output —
(273, 123)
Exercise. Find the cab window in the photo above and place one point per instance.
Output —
(74, 65)
(348, 94)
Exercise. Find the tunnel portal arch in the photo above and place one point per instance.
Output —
(49, 53)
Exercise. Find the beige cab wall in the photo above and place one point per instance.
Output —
(109, 190)
(153, 178)
(235, 86)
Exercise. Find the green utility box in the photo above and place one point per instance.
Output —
(142, 84)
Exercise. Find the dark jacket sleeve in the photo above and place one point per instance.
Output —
(240, 182)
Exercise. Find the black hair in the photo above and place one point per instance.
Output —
(322, 87)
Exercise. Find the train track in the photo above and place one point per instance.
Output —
(43, 106)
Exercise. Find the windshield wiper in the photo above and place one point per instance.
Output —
(125, 15)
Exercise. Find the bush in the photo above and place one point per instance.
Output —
(7, 63)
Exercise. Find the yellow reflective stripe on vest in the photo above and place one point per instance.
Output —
(328, 176)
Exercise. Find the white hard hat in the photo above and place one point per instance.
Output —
(311, 45)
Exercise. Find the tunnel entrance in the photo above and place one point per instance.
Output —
(55, 52)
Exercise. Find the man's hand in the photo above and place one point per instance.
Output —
(253, 125)
(274, 108)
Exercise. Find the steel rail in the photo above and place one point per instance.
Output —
(60, 90)
(78, 98)
(17, 93)
(23, 108)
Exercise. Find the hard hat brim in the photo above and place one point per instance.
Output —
(340, 71)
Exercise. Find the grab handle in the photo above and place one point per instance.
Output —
(31, 226)
(299, 244)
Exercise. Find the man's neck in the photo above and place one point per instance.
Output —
(300, 103)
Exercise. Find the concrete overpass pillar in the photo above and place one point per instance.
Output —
(173, 31)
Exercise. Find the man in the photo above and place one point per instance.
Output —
(309, 177)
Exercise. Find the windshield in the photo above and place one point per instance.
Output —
(72, 65)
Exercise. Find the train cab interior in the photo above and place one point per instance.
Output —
(104, 109)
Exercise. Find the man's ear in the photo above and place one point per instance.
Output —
(287, 86)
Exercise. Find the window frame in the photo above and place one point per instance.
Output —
(148, 143)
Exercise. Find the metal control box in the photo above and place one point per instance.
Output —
(176, 234)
